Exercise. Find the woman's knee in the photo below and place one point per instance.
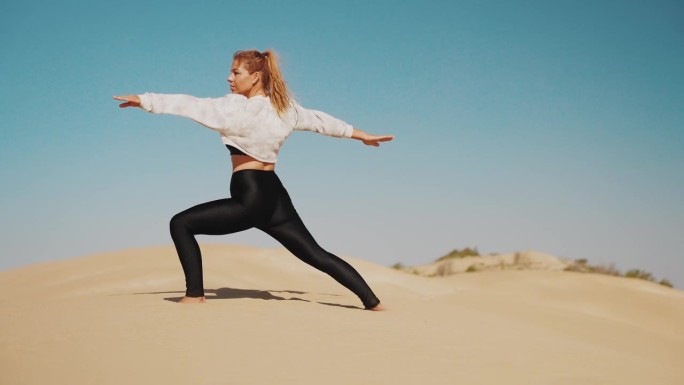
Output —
(178, 222)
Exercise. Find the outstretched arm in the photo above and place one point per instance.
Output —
(369, 139)
(215, 113)
(312, 120)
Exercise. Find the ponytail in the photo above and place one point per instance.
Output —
(272, 79)
(277, 88)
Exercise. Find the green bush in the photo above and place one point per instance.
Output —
(456, 253)
(636, 273)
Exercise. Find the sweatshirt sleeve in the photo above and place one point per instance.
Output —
(214, 113)
(320, 122)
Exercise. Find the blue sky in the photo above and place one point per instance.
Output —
(555, 126)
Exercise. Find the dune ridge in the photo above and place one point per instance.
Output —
(111, 319)
(526, 260)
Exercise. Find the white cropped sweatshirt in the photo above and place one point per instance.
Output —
(249, 124)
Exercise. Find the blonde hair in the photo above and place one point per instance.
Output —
(266, 64)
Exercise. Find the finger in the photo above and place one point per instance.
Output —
(127, 98)
(383, 138)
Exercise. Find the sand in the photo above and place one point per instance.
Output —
(270, 319)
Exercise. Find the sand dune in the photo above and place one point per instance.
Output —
(270, 319)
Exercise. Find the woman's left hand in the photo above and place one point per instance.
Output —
(374, 140)
(369, 139)
(131, 101)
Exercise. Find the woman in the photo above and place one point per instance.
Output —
(253, 122)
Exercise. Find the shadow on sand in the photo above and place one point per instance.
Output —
(233, 293)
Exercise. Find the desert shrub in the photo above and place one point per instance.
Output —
(637, 273)
(609, 269)
(575, 267)
(398, 266)
(456, 253)
(471, 269)
(443, 270)
(582, 266)
(516, 258)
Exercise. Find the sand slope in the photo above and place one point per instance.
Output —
(270, 319)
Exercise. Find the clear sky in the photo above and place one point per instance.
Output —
(555, 126)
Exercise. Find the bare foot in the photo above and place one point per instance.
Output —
(377, 308)
(192, 300)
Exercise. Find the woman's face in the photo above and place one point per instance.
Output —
(240, 80)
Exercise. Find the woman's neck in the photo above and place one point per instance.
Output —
(256, 91)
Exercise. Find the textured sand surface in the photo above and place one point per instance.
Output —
(270, 319)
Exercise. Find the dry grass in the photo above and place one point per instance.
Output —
(443, 270)
(583, 266)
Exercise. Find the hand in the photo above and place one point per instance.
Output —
(131, 101)
(369, 139)
(374, 140)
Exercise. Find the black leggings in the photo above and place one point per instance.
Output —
(258, 199)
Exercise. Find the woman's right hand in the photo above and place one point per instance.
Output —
(131, 101)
